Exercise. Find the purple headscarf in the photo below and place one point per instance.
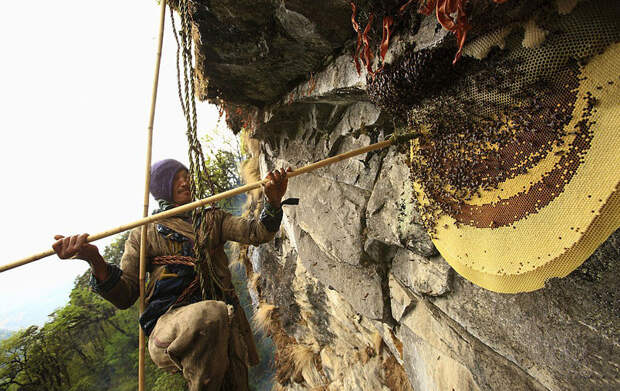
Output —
(162, 176)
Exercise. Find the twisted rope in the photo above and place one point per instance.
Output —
(211, 286)
(174, 260)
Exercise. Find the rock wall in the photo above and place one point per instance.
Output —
(350, 243)
(354, 278)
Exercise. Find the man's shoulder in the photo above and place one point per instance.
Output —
(137, 231)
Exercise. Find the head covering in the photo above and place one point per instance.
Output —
(162, 176)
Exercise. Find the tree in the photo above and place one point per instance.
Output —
(223, 171)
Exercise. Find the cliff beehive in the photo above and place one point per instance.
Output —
(529, 109)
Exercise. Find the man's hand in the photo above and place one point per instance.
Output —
(276, 187)
(77, 247)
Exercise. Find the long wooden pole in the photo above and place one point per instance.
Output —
(147, 182)
(205, 201)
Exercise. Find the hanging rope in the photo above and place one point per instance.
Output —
(200, 181)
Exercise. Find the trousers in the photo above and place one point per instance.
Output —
(203, 342)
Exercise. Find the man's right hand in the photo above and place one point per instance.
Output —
(77, 247)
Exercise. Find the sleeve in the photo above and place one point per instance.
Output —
(271, 217)
(102, 287)
(122, 286)
(252, 231)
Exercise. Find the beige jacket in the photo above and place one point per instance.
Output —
(224, 227)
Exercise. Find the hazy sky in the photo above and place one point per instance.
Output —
(75, 87)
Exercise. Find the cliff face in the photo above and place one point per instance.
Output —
(357, 284)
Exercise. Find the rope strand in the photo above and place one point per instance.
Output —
(210, 285)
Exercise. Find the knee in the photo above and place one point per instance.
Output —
(213, 319)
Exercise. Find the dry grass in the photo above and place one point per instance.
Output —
(295, 360)
(284, 363)
(366, 354)
(302, 357)
(395, 376)
(377, 342)
(236, 256)
(263, 318)
(398, 344)
(251, 145)
(250, 173)
(244, 259)
(253, 281)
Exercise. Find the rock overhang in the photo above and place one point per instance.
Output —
(257, 52)
(265, 62)
(253, 52)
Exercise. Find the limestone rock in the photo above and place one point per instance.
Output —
(430, 369)
(360, 286)
(378, 251)
(428, 276)
(401, 299)
(342, 338)
(385, 203)
(359, 171)
(440, 355)
(566, 335)
(390, 215)
(391, 341)
(330, 215)
(251, 50)
(354, 117)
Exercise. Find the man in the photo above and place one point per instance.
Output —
(209, 341)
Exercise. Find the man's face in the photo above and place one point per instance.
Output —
(180, 188)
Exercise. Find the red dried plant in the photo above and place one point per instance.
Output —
(444, 10)
(367, 53)
(363, 50)
(385, 40)
(356, 27)
(311, 84)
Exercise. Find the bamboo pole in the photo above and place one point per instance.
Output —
(147, 182)
(210, 200)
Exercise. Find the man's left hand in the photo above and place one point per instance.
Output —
(276, 187)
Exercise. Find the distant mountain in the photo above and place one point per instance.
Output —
(5, 334)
